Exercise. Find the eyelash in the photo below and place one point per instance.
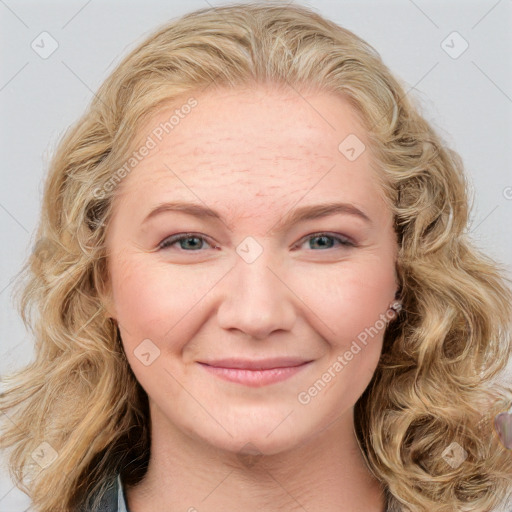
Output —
(171, 240)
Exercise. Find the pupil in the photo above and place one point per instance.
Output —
(190, 238)
(322, 238)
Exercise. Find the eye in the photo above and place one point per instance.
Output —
(324, 243)
(186, 238)
(193, 242)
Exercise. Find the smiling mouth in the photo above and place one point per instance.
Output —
(255, 377)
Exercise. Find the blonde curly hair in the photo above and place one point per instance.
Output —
(437, 379)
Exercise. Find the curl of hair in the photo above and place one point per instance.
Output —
(436, 382)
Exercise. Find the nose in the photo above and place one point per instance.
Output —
(256, 299)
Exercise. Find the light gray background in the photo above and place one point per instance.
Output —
(469, 100)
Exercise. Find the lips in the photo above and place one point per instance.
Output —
(255, 373)
(252, 364)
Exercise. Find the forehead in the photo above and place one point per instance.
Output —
(251, 144)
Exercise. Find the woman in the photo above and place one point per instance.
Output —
(329, 341)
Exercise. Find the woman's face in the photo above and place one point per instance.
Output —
(259, 277)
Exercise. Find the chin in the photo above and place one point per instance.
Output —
(256, 440)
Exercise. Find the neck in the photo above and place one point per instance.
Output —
(326, 473)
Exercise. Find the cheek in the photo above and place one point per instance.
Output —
(366, 297)
(350, 300)
(156, 302)
(143, 300)
(352, 320)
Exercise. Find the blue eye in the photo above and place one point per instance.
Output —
(324, 238)
(172, 240)
(197, 241)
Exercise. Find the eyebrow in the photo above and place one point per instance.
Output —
(295, 216)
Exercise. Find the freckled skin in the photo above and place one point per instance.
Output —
(253, 155)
